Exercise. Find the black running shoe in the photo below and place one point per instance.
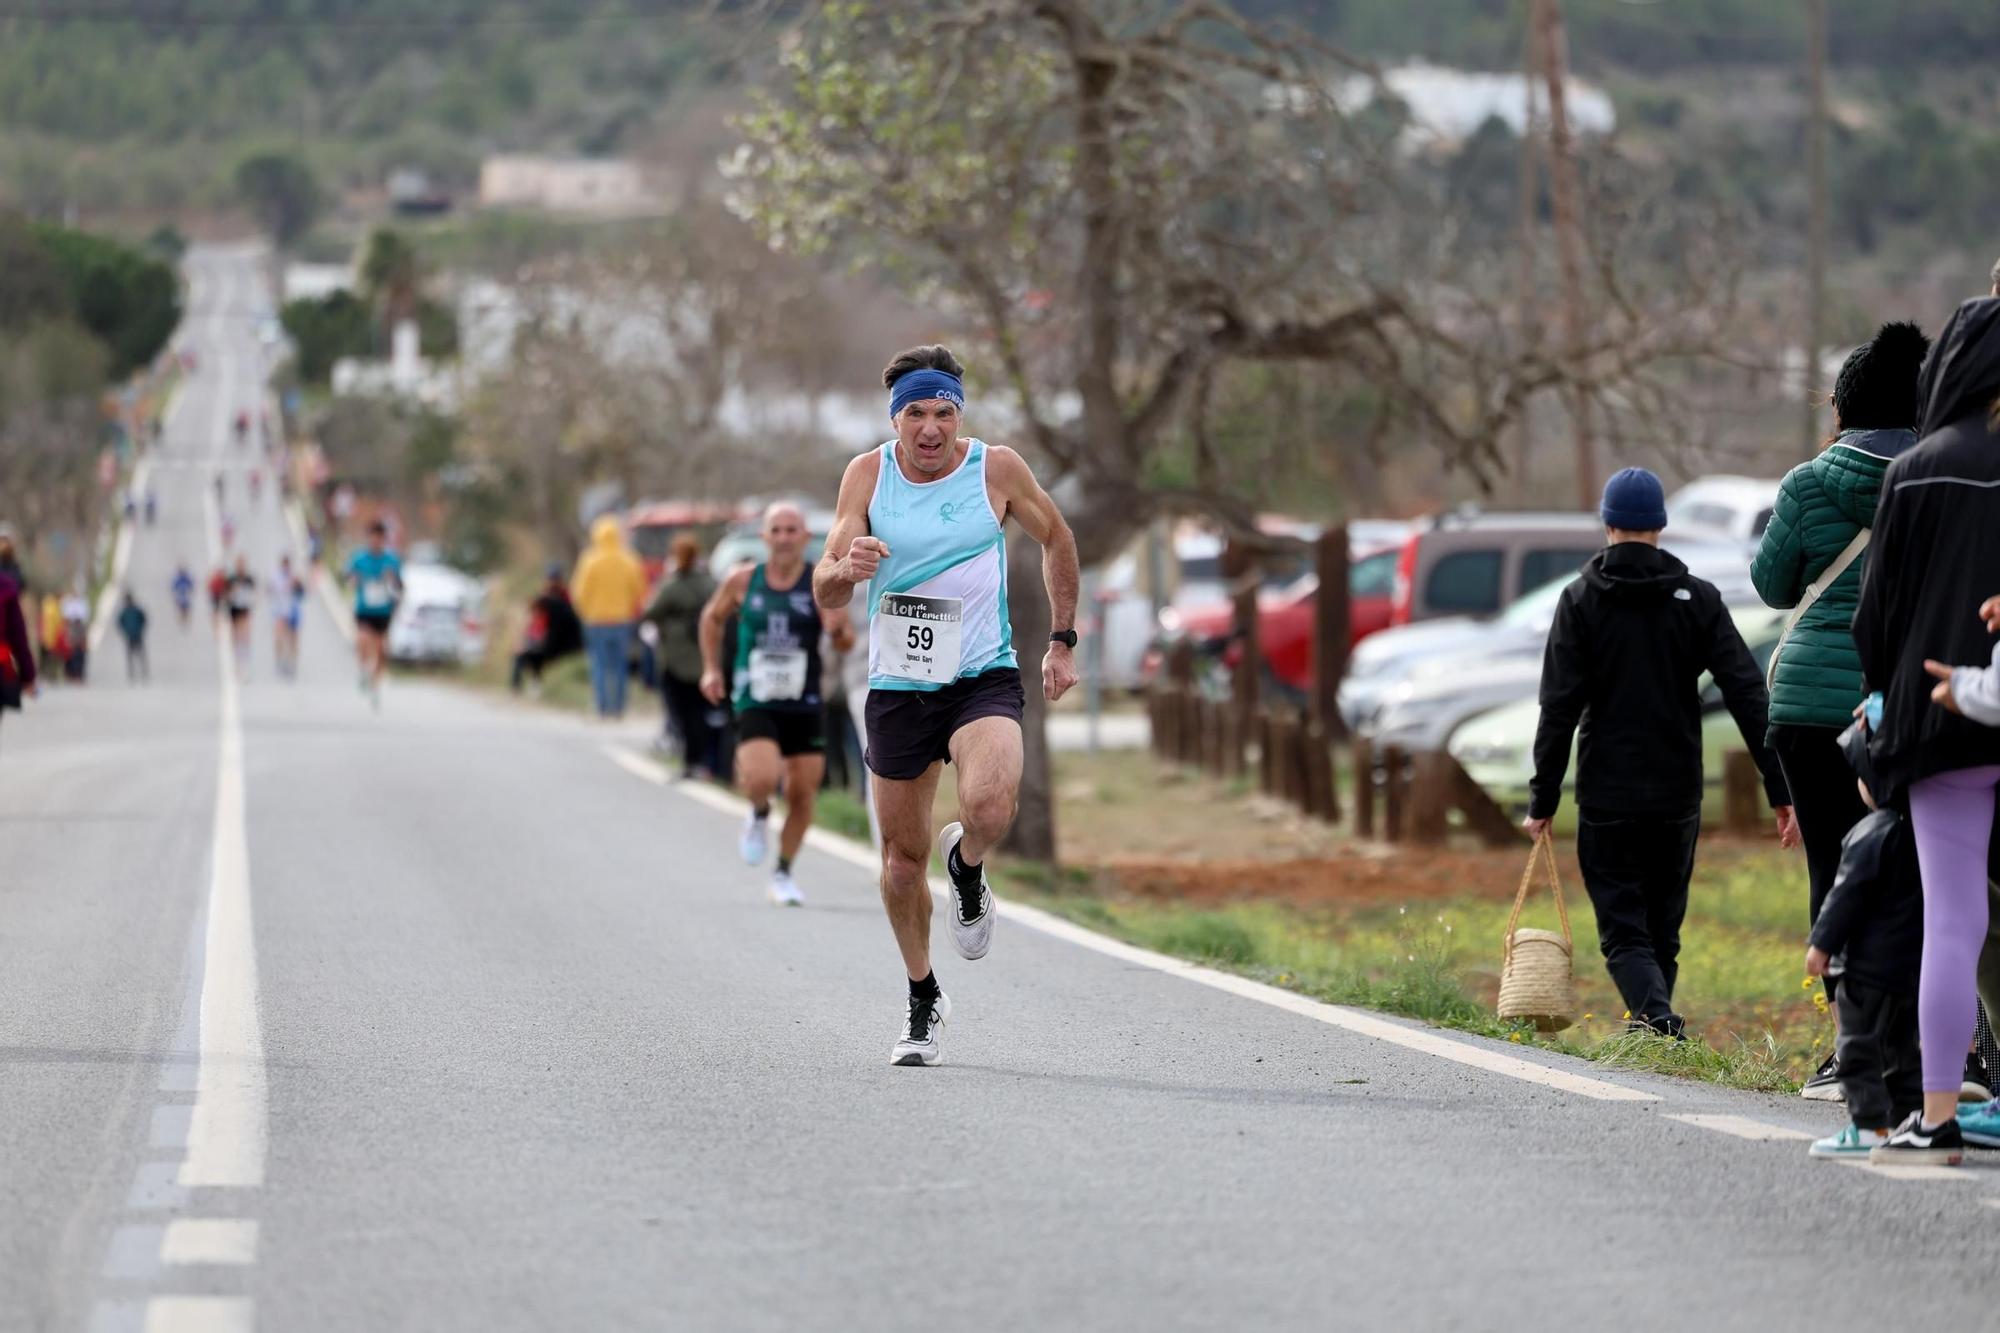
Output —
(1978, 1084)
(1824, 1085)
(1913, 1145)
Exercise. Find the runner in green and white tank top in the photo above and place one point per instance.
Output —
(780, 715)
(777, 646)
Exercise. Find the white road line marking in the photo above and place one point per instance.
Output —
(226, 1135)
(200, 1314)
(1426, 1040)
(209, 1240)
(1743, 1127)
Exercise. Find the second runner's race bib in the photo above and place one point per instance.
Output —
(777, 675)
(919, 637)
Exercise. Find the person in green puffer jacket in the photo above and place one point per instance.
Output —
(1821, 506)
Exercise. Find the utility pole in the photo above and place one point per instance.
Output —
(1548, 28)
(1527, 316)
(1816, 224)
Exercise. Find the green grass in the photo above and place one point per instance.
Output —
(1753, 1025)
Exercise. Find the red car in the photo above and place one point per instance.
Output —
(1285, 620)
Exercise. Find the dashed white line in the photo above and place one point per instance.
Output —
(1427, 1041)
(209, 1240)
(199, 1314)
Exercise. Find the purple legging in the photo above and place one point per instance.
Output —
(1953, 816)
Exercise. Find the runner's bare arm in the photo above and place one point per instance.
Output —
(1029, 505)
(843, 565)
(727, 598)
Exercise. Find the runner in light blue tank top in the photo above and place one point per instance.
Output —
(919, 521)
(945, 546)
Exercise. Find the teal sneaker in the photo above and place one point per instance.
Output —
(1980, 1124)
(1852, 1141)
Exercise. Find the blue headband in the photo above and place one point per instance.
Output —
(922, 386)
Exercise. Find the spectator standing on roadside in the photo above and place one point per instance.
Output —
(17, 655)
(607, 588)
(554, 631)
(76, 635)
(675, 611)
(1630, 641)
(1810, 558)
(52, 636)
(1932, 560)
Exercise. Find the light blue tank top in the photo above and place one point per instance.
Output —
(945, 545)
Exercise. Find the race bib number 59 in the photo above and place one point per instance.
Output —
(919, 637)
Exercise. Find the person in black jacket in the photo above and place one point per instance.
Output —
(1870, 932)
(1931, 564)
(1626, 652)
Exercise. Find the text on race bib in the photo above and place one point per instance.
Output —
(777, 674)
(918, 637)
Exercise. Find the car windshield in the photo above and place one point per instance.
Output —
(1534, 610)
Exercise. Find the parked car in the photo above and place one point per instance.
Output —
(1285, 621)
(441, 619)
(1498, 749)
(1420, 695)
(1734, 509)
(1468, 563)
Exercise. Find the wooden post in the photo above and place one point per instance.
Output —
(1565, 204)
(1430, 801)
(1364, 788)
(1394, 795)
(1323, 798)
(1332, 630)
(1240, 567)
(1483, 815)
(1293, 752)
(1190, 727)
(1741, 787)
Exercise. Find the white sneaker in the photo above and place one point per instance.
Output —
(919, 1043)
(785, 893)
(756, 839)
(971, 938)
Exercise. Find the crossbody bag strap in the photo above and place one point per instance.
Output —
(1814, 590)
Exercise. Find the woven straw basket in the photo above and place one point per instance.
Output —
(1536, 980)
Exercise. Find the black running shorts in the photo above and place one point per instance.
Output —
(370, 620)
(909, 730)
(795, 733)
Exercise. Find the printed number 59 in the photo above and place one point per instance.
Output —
(920, 637)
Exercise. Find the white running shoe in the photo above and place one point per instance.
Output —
(784, 892)
(919, 1043)
(971, 938)
(756, 839)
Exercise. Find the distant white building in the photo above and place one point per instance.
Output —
(604, 186)
(1448, 105)
(317, 281)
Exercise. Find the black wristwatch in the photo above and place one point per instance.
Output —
(1065, 637)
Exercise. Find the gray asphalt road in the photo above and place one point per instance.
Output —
(534, 1052)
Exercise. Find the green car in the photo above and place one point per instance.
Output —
(1497, 749)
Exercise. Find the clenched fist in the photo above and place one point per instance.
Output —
(864, 557)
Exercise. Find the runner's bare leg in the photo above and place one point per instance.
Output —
(905, 811)
(987, 756)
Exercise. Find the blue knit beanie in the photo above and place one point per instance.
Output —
(1634, 501)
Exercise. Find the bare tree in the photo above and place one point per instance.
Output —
(1552, 46)
(1816, 222)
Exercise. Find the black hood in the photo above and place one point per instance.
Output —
(1962, 374)
(1634, 569)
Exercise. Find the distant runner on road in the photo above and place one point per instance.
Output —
(288, 598)
(780, 712)
(241, 601)
(920, 519)
(183, 593)
(378, 585)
